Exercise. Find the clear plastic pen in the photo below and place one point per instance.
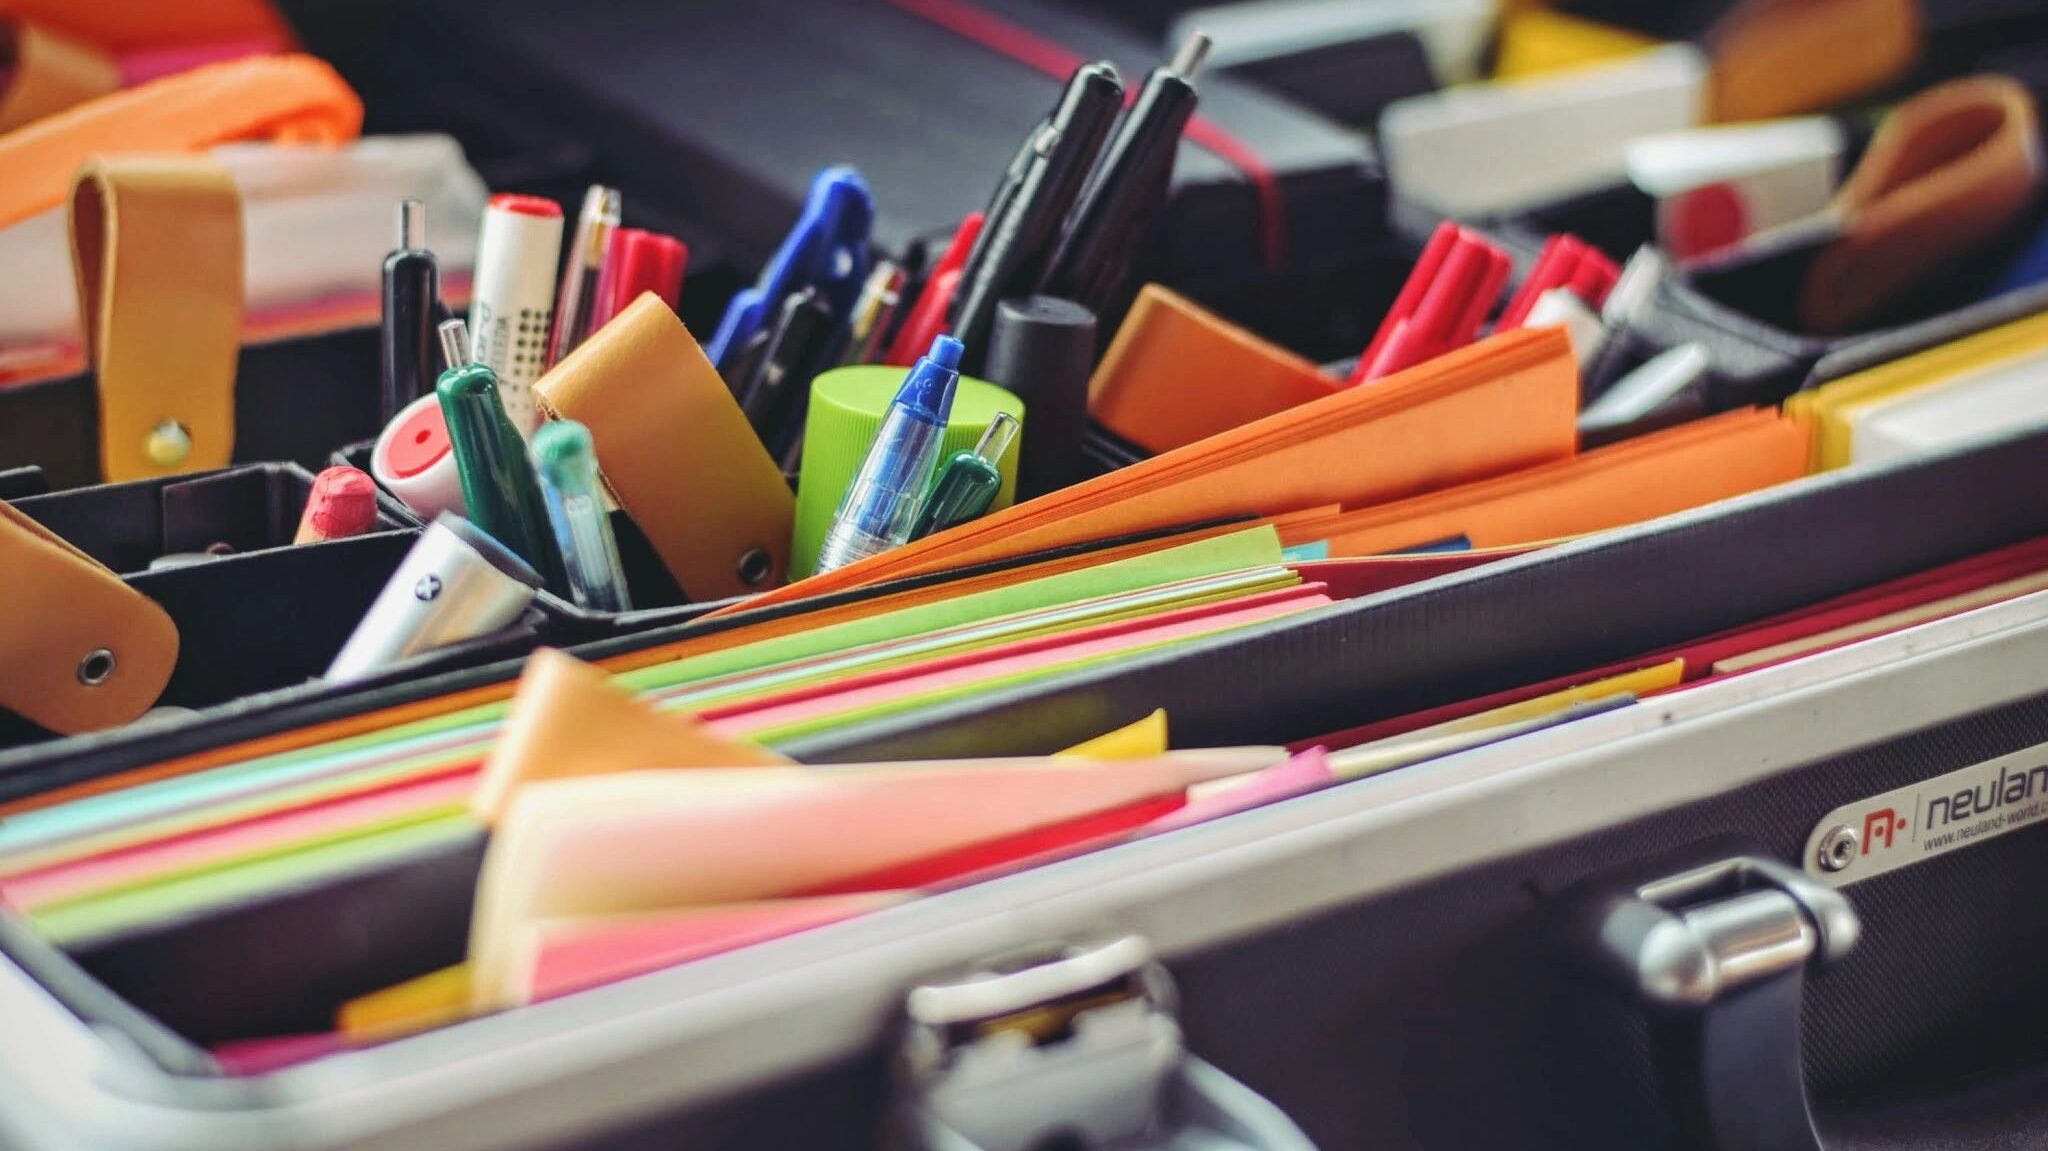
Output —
(882, 502)
(587, 254)
(569, 484)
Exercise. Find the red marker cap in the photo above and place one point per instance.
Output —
(525, 205)
(639, 261)
(343, 504)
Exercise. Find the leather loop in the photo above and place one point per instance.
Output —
(51, 73)
(677, 452)
(1947, 174)
(156, 243)
(83, 651)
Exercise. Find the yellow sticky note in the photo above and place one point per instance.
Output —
(1534, 41)
(1141, 740)
(432, 1000)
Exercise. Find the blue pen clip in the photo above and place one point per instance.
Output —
(826, 250)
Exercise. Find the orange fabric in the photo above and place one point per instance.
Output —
(1505, 403)
(125, 25)
(1777, 58)
(1176, 374)
(288, 99)
(1655, 475)
(51, 72)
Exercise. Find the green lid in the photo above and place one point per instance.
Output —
(847, 406)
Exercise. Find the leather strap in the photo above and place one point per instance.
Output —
(83, 651)
(51, 73)
(156, 243)
(1947, 174)
(677, 452)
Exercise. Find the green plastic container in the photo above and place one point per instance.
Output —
(847, 406)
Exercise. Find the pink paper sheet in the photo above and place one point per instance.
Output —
(586, 956)
(32, 889)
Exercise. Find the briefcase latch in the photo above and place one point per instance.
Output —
(1718, 956)
(1079, 1047)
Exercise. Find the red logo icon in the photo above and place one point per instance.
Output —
(1884, 823)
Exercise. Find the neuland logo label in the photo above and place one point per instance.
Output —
(1903, 827)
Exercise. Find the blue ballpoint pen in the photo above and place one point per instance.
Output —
(569, 485)
(882, 503)
(826, 250)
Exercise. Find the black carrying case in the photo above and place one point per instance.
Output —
(1550, 614)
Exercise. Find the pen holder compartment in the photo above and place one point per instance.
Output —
(234, 511)
(294, 400)
(1753, 362)
(656, 598)
(658, 601)
(268, 623)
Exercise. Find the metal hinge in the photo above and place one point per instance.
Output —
(1718, 956)
(1077, 1048)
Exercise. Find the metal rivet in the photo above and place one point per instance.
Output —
(96, 668)
(755, 567)
(1838, 848)
(169, 444)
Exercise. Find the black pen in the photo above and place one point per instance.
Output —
(797, 346)
(1129, 189)
(1017, 243)
(412, 307)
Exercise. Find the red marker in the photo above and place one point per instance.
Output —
(927, 320)
(1441, 307)
(640, 261)
(343, 504)
(1567, 262)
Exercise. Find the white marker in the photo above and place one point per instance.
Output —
(513, 298)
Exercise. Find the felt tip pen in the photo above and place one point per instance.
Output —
(881, 505)
(773, 395)
(567, 463)
(1116, 210)
(343, 503)
(498, 483)
(968, 484)
(513, 296)
(412, 295)
(1022, 231)
(639, 261)
(588, 252)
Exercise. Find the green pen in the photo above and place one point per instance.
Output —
(968, 482)
(498, 481)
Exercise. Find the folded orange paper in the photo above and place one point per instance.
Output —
(1505, 403)
(1176, 374)
(1633, 481)
(287, 99)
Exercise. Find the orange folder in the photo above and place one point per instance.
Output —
(1176, 374)
(1503, 404)
(288, 99)
(1630, 482)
